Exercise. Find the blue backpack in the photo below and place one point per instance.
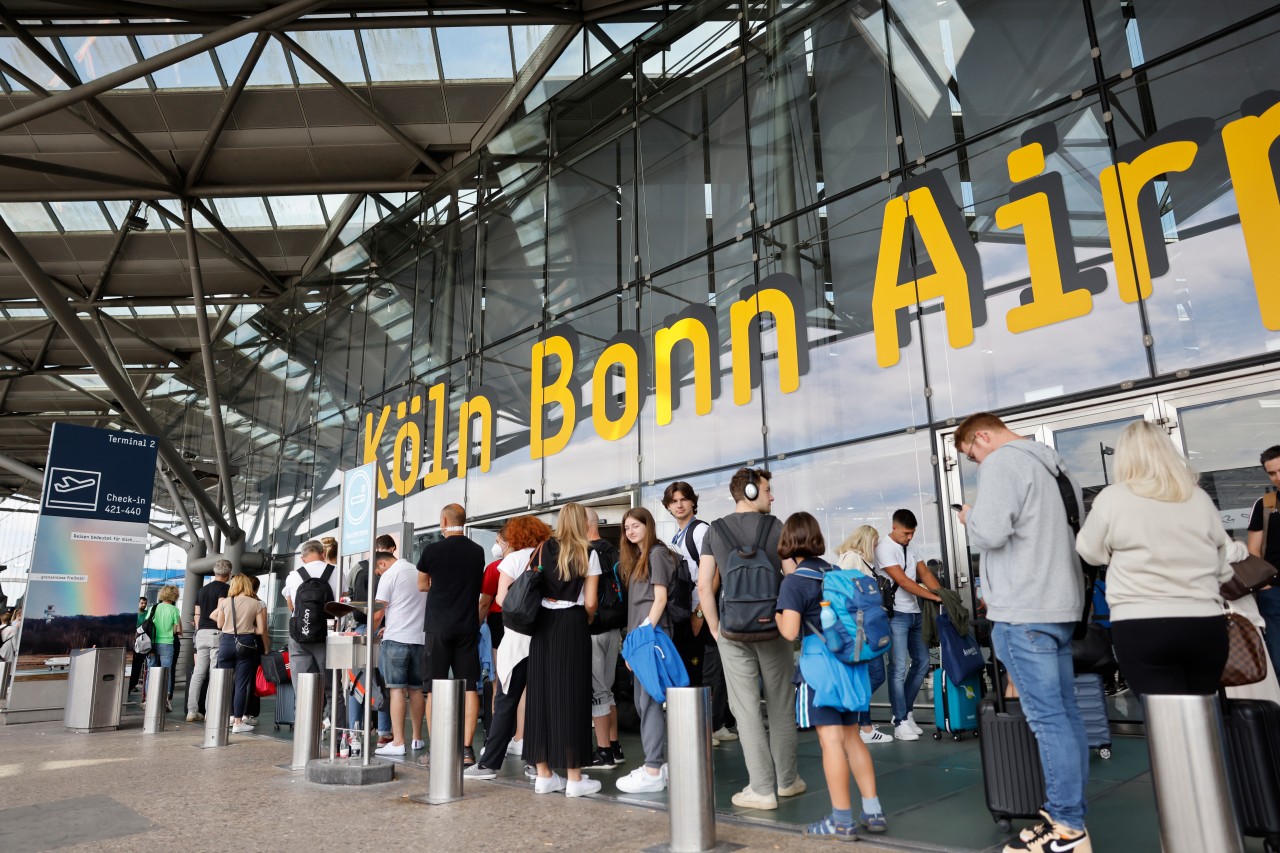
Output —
(860, 630)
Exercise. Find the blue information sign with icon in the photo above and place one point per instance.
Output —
(359, 508)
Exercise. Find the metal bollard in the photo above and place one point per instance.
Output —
(306, 724)
(444, 781)
(157, 691)
(217, 716)
(691, 800)
(1189, 770)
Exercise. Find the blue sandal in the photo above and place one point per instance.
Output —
(874, 822)
(828, 830)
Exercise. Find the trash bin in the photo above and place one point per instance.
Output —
(95, 684)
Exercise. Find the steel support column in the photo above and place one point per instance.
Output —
(58, 308)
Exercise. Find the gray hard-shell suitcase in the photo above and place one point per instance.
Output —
(1092, 702)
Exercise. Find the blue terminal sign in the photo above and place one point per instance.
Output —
(359, 508)
(99, 473)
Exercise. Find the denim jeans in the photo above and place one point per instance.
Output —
(1269, 607)
(162, 655)
(904, 681)
(875, 669)
(1038, 658)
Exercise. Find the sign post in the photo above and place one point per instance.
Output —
(359, 521)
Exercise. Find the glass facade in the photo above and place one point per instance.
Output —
(593, 271)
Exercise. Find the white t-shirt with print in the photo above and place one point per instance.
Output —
(406, 604)
(890, 553)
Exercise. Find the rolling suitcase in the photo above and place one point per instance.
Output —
(1012, 777)
(284, 705)
(1093, 710)
(1253, 760)
(955, 706)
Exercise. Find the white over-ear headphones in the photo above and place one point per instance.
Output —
(751, 491)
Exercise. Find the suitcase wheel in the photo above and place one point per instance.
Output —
(277, 727)
(937, 735)
(956, 737)
(1104, 752)
(1003, 825)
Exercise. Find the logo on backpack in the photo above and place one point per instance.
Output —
(748, 587)
(309, 623)
(855, 626)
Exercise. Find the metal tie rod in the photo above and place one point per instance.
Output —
(1193, 797)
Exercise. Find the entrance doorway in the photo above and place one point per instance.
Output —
(1221, 427)
(609, 508)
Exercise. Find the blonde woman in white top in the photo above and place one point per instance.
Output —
(858, 553)
(1166, 551)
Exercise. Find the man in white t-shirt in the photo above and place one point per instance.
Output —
(403, 643)
(310, 657)
(899, 560)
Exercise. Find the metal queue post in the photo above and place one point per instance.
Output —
(444, 779)
(157, 689)
(691, 791)
(218, 708)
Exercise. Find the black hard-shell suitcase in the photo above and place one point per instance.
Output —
(1092, 701)
(1253, 760)
(1011, 772)
(285, 705)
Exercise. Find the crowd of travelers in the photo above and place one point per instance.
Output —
(536, 631)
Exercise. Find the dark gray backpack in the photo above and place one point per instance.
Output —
(748, 587)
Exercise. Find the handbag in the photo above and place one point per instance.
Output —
(261, 685)
(1092, 654)
(1246, 655)
(835, 684)
(960, 654)
(524, 597)
(1251, 574)
(242, 649)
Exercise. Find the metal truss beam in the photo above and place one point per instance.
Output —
(25, 332)
(269, 280)
(61, 171)
(137, 411)
(224, 111)
(339, 221)
(217, 191)
(532, 72)
(186, 50)
(269, 277)
(172, 356)
(372, 22)
(360, 103)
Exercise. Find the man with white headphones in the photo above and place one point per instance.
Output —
(751, 650)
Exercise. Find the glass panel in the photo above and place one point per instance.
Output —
(1131, 32)
(395, 56)
(782, 123)
(80, 216)
(27, 216)
(476, 53)
(16, 54)
(1089, 453)
(1204, 302)
(965, 66)
(1223, 441)
(589, 223)
(514, 478)
(272, 69)
(336, 50)
(297, 211)
(527, 39)
(242, 212)
(567, 68)
(1003, 368)
(194, 73)
(94, 56)
(514, 250)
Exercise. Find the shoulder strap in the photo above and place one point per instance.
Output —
(1268, 507)
(306, 576)
(689, 544)
(766, 523)
(328, 573)
(812, 574)
(723, 530)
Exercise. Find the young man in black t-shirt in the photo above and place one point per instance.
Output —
(451, 571)
(1265, 516)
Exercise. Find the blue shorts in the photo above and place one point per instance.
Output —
(809, 715)
(401, 664)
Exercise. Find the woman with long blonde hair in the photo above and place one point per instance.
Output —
(858, 552)
(243, 620)
(1165, 549)
(557, 727)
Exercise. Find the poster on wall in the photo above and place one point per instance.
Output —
(91, 540)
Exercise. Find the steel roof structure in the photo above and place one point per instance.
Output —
(164, 165)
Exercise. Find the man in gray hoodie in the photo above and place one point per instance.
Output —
(1033, 587)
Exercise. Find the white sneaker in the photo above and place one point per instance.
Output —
(584, 786)
(641, 781)
(795, 789)
(874, 736)
(417, 745)
(241, 728)
(747, 798)
(515, 747)
(723, 734)
(903, 731)
(251, 720)
(390, 749)
(911, 720)
(549, 785)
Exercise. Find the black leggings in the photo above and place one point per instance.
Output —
(1183, 655)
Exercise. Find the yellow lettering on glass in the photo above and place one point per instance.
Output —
(481, 407)
(437, 402)
(1248, 142)
(546, 395)
(1049, 303)
(409, 432)
(372, 438)
(625, 355)
(1121, 185)
(664, 341)
(773, 301)
(948, 281)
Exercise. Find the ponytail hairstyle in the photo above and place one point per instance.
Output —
(635, 558)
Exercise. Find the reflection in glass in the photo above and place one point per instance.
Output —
(1223, 441)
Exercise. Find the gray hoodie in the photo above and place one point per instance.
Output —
(1030, 571)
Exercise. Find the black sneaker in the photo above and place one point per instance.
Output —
(618, 757)
(604, 758)
(468, 756)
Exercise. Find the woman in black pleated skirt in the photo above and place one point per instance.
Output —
(557, 728)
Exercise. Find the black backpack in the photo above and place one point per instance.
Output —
(680, 593)
(611, 609)
(748, 587)
(309, 623)
(360, 590)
